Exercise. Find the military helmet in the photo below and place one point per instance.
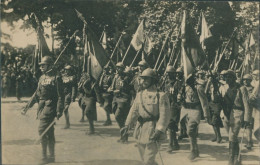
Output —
(179, 69)
(143, 63)
(68, 67)
(128, 70)
(237, 71)
(247, 77)
(148, 73)
(231, 73)
(46, 60)
(170, 69)
(223, 72)
(255, 72)
(120, 64)
(200, 72)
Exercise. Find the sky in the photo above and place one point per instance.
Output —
(20, 38)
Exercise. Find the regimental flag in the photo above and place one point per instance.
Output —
(97, 55)
(248, 61)
(191, 51)
(203, 30)
(41, 48)
(148, 45)
(85, 55)
(104, 40)
(139, 37)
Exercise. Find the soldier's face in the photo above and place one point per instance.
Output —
(246, 82)
(229, 79)
(141, 68)
(44, 68)
(146, 82)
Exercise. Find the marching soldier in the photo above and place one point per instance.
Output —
(254, 99)
(247, 79)
(89, 90)
(70, 87)
(122, 97)
(237, 111)
(194, 98)
(104, 83)
(171, 88)
(179, 80)
(151, 109)
(142, 65)
(50, 97)
(238, 76)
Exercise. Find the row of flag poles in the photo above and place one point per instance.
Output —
(192, 49)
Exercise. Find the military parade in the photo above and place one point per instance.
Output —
(182, 92)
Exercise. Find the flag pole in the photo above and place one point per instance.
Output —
(135, 58)
(160, 54)
(126, 53)
(117, 45)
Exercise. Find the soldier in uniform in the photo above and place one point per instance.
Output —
(179, 80)
(171, 88)
(142, 65)
(237, 111)
(70, 91)
(104, 83)
(122, 97)
(151, 109)
(238, 76)
(50, 97)
(254, 99)
(194, 98)
(89, 90)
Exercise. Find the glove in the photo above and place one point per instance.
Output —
(124, 130)
(245, 124)
(58, 115)
(156, 136)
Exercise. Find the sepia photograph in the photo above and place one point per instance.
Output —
(129, 82)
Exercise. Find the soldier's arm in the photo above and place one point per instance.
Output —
(60, 94)
(133, 113)
(248, 110)
(165, 113)
(203, 100)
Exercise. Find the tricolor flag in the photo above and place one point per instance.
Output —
(139, 37)
(191, 51)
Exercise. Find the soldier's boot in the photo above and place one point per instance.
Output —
(237, 158)
(170, 147)
(215, 131)
(176, 145)
(231, 154)
(44, 159)
(91, 127)
(125, 139)
(183, 133)
(67, 118)
(249, 144)
(108, 121)
(82, 118)
(219, 138)
(51, 146)
(194, 149)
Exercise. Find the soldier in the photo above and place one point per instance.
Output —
(104, 83)
(89, 90)
(238, 76)
(254, 99)
(50, 96)
(179, 80)
(142, 65)
(194, 98)
(215, 107)
(151, 109)
(171, 88)
(122, 97)
(237, 112)
(247, 79)
(70, 90)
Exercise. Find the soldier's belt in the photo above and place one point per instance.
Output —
(191, 105)
(238, 108)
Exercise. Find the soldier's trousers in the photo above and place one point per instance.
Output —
(121, 110)
(49, 137)
(108, 104)
(148, 152)
(192, 120)
(233, 125)
(90, 108)
(256, 114)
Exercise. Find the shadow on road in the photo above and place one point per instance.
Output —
(19, 142)
(105, 162)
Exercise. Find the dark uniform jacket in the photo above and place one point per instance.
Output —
(70, 87)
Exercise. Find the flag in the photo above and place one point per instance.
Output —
(104, 40)
(203, 30)
(148, 45)
(191, 51)
(247, 61)
(251, 41)
(85, 55)
(97, 55)
(139, 37)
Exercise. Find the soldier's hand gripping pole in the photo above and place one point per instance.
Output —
(31, 102)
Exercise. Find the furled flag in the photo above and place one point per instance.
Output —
(85, 55)
(148, 45)
(191, 51)
(203, 30)
(139, 37)
(97, 55)
(247, 62)
(104, 40)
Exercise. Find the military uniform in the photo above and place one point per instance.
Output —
(51, 103)
(104, 83)
(88, 89)
(152, 111)
(70, 91)
(194, 99)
